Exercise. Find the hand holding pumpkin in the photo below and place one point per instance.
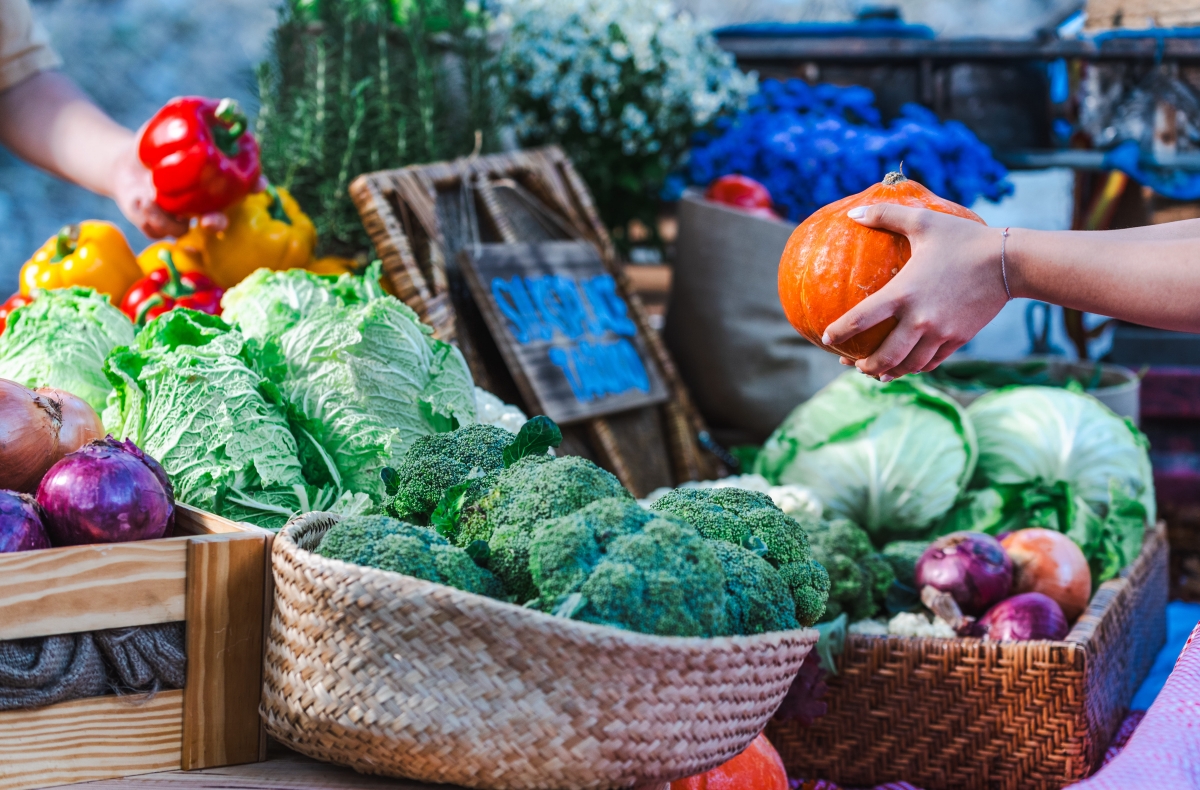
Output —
(948, 290)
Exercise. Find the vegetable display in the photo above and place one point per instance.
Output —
(167, 288)
(892, 458)
(266, 230)
(91, 254)
(831, 263)
(106, 492)
(201, 155)
(61, 341)
(22, 523)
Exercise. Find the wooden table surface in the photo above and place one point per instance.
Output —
(283, 770)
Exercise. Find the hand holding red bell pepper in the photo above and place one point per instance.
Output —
(166, 288)
(201, 155)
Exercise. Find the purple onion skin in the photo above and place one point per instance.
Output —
(21, 524)
(105, 492)
(1031, 615)
(971, 566)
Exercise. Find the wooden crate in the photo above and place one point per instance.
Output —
(954, 714)
(213, 575)
(421, 218)
(1137, 14)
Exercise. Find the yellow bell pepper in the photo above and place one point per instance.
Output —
(333, 264)
(93, 254)
(187, 257)
(266, 230)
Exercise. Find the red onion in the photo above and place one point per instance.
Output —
(21, 525)
(1029, 615)
(972, 567)
(107, 492)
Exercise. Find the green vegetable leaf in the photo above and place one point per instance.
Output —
(480, 551)
(832, 641)
(391, 480)
(446, 515)
(755, 544)
(535, 438)
(570, 605)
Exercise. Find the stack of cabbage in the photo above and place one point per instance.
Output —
(294, 400)
(905, 462)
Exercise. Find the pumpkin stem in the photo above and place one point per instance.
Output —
(895, 177)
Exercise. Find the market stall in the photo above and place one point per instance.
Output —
(382, 474)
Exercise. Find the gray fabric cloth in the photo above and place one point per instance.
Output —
(47, 670)
(149, 658)
(743, 362)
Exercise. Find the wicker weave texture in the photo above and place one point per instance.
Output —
(966, 713)
(393, 675)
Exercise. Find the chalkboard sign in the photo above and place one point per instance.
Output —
(563, 328)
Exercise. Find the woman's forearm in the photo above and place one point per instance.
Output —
(1183, 229)
(1154, 282)
(47, 121)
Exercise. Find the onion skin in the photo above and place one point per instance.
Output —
(971, 566)
(29, 428)
(1026, 616)
(1049, 562)
(80, 423)
(105, 493)
(22, 527)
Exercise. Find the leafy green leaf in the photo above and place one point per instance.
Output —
(570, 605)
(832, 641)
(446, 515)
(480, 551)
(391, 480)
(535, 438)
(755, 544)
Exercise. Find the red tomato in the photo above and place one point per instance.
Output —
(757, 768)
(14, 301)
(741, 192)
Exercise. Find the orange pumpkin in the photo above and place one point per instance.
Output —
(832, 263)
(757, 768)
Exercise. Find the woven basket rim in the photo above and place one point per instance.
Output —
(1096, 608)
(286, 541)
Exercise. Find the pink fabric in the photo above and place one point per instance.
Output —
(1164, 751)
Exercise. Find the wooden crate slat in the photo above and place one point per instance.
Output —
(224, 646)
(90, 739)
(92, 588)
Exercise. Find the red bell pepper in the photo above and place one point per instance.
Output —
(200, 154)
(164, 289)
(14, 301)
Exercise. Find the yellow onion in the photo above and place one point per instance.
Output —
(80, 423)
(29, 429)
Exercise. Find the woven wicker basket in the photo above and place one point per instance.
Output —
(965, 713)
(393, 675)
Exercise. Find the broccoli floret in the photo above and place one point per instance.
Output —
(902, 555)
(530, 491)
(750, 519)
(757, 599)
(437, 462)
(613, 563)
(390, 545)
(859, 577)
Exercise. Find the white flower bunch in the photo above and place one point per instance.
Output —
(634, 74)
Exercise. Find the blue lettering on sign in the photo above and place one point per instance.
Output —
(597, 370)
(587, 313)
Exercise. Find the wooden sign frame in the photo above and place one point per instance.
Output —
(417, 218)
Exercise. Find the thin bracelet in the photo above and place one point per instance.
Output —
(1003, 270)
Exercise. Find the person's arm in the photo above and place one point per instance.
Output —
(47, 121)
(952, 286)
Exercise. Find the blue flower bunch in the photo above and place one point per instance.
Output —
(812, 145)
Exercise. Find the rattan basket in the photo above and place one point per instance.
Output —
(966, 713)
(393, 675)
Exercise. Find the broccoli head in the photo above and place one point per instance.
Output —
(391, 545)
(613, 563)
(902, 555)
(750, 519)
(438, 462)
(532, 490)
(859, 577)
(757, 599)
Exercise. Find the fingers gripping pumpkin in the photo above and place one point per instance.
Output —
(832, 263)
